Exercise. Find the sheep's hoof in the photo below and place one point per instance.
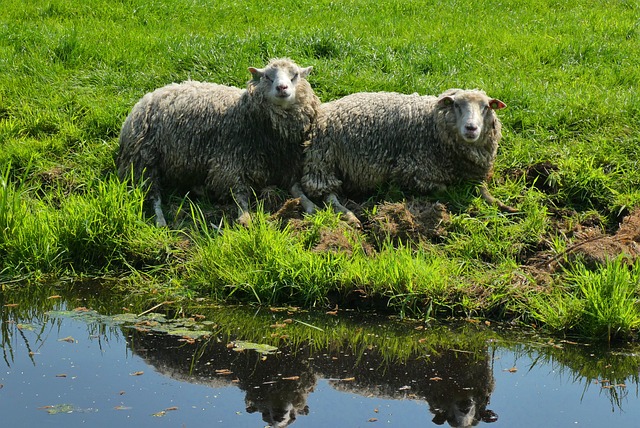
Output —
(351, 219)
(487, 196)
(506, 208)
(245, 219)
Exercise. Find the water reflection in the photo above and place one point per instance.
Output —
(451, 370)
(456, 383)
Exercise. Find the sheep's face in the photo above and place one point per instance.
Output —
(279, 81)
(473, 112)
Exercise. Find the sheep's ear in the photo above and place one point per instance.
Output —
(496, 104)
(445, 101)
(304, 72)
(257, 73)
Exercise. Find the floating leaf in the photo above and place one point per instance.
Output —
(58, 408)
(241, 345)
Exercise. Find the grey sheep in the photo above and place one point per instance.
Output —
(225, 140)
(419, 143)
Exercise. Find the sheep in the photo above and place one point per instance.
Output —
(221, 139)
(419, 143)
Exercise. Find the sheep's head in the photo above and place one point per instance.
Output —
(473, 111)
(279, 80)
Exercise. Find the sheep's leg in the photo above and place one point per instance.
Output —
(157, 208)
(350, 217)
(487, 196)
(244, 217)
(308, 206)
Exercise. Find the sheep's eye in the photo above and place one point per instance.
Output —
(295, 76)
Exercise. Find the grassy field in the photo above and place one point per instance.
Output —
(71, 70)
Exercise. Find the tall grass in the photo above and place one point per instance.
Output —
(263, 264)
(600, 304)
(71, 70)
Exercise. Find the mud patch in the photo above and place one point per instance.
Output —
(538, 175)
(408, 223)
(291, 209)
(594, 247)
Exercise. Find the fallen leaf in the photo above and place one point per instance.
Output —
(10, 305)
(67, 339)
(159, 414)
(61, 375)
(138, 373)
(291, 378)
(122, 408)
(169, 409)
(373, 420)
(55, 296)
(435, 378)
(511, 370)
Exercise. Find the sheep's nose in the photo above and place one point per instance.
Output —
(282, 88)
(470, 127)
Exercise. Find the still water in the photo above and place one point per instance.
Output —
(69, 360)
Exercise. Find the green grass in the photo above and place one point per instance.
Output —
(568, 71)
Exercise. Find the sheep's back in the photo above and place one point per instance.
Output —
(370, 136)
(190, 124)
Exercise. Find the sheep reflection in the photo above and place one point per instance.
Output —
(457, 384)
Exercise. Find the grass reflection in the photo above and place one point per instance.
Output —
(449, 366)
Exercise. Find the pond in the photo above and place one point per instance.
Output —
(77, 357)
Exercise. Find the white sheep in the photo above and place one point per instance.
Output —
(419, 143)
(227, 140)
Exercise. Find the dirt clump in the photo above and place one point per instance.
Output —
(410, 222)
(291, 209)
(593, 247)
(538, 175)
